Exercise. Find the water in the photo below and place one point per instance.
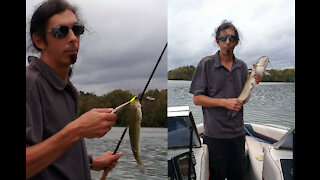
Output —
(269, 103)
(153, 151)
(272, 103)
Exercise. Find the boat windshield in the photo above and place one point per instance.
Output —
(178, 133)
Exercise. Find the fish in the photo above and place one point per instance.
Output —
(135, 117)
(258, 68)
(116, 110)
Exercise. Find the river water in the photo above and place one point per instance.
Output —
(153, 150)
(270, 103)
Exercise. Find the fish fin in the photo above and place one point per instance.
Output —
(254, 84)
(267, 73)
(141, 168)
(254, 66)
(246, 100)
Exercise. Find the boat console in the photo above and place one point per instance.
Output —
(182, 132)
(278, 158)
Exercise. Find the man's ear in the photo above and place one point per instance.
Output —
(39, 42)
(217, 41)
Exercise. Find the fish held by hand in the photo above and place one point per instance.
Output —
(135, 118)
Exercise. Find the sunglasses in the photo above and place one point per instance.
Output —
(62, 31)
(231, 38)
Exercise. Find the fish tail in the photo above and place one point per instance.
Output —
(231, 113)
(141, 168)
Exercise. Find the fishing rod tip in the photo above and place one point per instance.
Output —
(134, 97)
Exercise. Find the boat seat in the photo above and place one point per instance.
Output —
(255, 153)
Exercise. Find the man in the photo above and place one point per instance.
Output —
(55, 148)
(216, 84)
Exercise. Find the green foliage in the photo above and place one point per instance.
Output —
(286, 75)
(186, 73)
(181, 73)
(154, 113)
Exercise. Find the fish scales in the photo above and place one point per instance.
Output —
(135, 118)
(258, 68)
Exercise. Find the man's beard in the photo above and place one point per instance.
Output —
(73, 58)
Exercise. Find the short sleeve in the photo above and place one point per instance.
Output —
(34, 119)
(199, 80)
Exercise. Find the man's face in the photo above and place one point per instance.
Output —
(227, 47)
(63, 51)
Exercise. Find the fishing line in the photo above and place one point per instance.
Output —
(144, 90)
(105, 173)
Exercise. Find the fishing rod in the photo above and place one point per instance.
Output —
(144, 90)
(104, 174)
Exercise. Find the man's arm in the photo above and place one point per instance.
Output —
(45, 153)
(205, 101)
(94, 123)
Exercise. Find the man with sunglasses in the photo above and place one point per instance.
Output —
(216, 84)
(55, 147)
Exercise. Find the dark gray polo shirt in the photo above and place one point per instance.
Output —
(214, 80)
(50, 105)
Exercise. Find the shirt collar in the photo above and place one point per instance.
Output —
(217, 60)
(47, 73)
(217, 63)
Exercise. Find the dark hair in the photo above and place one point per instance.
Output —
(226, 25)
(42, 14)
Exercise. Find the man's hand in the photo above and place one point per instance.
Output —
(96, 122)
(233, 104)
(257, 77)
(105, 162)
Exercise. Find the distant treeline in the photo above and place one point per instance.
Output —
(186, 73)
(286, 75)
(154, 113)
(181, 73)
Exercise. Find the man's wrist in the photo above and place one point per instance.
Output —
(220, 102)
(74, 130)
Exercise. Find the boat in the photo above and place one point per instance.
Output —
(184, 142)
(268, 149)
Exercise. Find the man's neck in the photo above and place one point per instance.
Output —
(226, 60)
(61, 71)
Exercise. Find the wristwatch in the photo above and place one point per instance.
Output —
(90, 161)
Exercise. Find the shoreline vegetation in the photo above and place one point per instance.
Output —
(186, 73)
(154, 113)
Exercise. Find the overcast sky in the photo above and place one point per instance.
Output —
(125, 37)
(267, 28)
(122, 45)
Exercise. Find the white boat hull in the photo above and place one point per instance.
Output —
(268, 148)
(256, 148)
